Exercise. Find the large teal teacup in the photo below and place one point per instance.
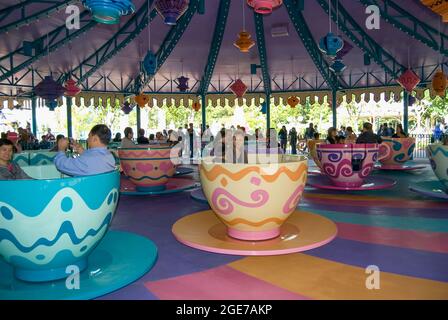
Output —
(47, 225)
(438, 155)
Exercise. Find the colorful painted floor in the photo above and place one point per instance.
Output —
(405, 235)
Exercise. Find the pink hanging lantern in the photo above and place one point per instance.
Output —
(71, 89)
(264, 6)
(238, 88)
(408, 80)
(171, 10)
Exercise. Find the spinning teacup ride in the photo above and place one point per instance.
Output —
(395, 154)
(149, 170)
(312, 151)
(348, 167)
(54, 226)
(438, 156)
(253, 208)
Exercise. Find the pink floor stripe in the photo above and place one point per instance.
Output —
(420, 240)
(221, 283)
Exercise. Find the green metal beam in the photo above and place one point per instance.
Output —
(26, 15)
(133, 27)
(261, 44)
(362, 40)
(218, 35)
(62, 33)
(139, 83)
(310, 44)
(408, 23)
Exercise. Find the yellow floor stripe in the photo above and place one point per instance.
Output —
(324, 279)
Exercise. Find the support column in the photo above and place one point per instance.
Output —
(268, 113)
(33, 115)
(405, 111)
(69, 117)
(334, 105)
(139, 125)
(204, 113)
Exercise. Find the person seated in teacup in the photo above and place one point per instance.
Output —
(117, 137)
(9, 170)
(97, 159)
(332, 136)
(127, 142)
(399, 132)
(350, 136)
(58, 137)
(340, 140)
(367, 135)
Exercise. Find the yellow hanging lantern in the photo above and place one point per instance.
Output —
(141, 100)
(439, 83)
(244, 41)
(196, 106)
(293, 101)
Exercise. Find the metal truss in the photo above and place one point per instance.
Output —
(52, 41)
(139, 83)
(26, 16)
(261, 44)
(218, 34)
(408, 23)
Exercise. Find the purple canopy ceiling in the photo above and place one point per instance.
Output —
(287, 57)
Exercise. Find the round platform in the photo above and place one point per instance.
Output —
(174, 185)
(199, 195)
(302, 231)
(111, 266)
(404, 167)
(370, 183)
(180, 171)
(432, 189)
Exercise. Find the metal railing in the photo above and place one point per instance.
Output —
(421, 142)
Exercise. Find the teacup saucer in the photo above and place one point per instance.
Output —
(370, 183)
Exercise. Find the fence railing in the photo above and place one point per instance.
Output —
(421, 142)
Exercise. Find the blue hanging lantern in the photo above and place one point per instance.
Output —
(264, 108)
(171, 10)
(49, 90)
(183, 84)
(338, 66)
(127, 107)
(150, 63)
(331, 44)
(109, 11)
(412, 100)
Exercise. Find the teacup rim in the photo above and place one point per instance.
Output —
(300, 159)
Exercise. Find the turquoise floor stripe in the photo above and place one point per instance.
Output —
(403, 223)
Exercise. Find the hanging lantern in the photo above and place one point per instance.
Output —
(412, 100)
(141, 100)
(439, 83)
(171, 10)
(183, 84)
(331, 44)
(293, 101)
(109, 11)
(345, 49)
(127, 107)
(49, 90)
(244, 41)
(71, 89)
(264, 6)
(238, 88)
(338, 66)
(264, 108)
(408, 80)
(196, 106)
(150, 63)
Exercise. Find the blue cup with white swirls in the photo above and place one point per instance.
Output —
(54, 221)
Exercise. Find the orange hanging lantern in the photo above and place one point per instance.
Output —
(238, 88)
(141, 100)
(293, 101)
(244, 41)
(439, 83)
(196, 106)
(408, 80)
